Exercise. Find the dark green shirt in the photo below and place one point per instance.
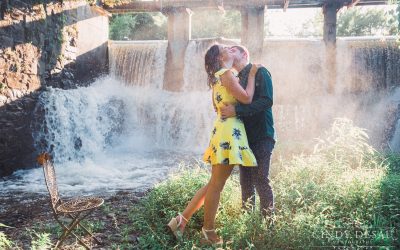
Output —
(257, 116)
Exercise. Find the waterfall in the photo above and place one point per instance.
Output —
(112, 136)
(86, 122)
(194, 74)
(368, 63)
(138, 63)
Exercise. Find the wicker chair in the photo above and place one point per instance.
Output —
(75, 209)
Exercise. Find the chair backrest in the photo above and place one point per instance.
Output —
(50, 178)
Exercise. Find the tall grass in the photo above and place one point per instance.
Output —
(5, 242)
(343, 195)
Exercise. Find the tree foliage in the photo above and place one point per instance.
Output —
(362, 22)
(121, 27)
(313, 27)
(140, 26)
(356, 21)
(146, 26)
(216, 24)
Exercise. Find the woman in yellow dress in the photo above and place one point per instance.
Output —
(228, 144)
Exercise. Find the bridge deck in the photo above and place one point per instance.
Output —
(160, 5)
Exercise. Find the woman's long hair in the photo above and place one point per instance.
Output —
(212, 64)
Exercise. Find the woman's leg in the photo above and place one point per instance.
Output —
(219, 175)
(194, 204)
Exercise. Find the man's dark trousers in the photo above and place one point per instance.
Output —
(257, 178)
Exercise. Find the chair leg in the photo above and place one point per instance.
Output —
(59, 242)
(67, 230)
(91, 235)
(80, 241)
(86, 230)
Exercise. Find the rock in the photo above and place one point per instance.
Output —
(27, 52)
(4, 23)
(33, 83)
(9, 93)
(132, 239)
(72, 49)
(24, 79)
(67, 84)
(2, 81)
(3, 65)
(6, 42)
(59, 66)
(70, 56)
(73, 42)
(55, 71)
(3, 99)
(8, 52)
(31, 67)
(17, 93)
(17, 14)
(68, 75)
(18, 33)
(12, 81)
(114, 238)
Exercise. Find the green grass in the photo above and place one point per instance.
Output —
(343, 194)
(40, 241)
(4, 241)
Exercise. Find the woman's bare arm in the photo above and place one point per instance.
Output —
(231, 83)
(213, 101)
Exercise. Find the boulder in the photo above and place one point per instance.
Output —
(13, 81)
(33, 83)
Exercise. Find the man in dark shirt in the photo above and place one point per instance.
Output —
(259, 124)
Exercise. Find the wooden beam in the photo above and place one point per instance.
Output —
(158, 6)
(353, 3)
(101, 11)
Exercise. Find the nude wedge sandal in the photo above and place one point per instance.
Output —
(206, 241)
(174, 224)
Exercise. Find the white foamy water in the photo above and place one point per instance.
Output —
(110, 136)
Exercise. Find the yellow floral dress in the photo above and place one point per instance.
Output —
(228, 143)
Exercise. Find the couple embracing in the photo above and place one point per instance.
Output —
(243, 135)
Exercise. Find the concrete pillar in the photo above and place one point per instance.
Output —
(330, 18)
(179, 34)
(92, 56)
(253, 30)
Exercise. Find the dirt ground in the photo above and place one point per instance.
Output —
(24, 212)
